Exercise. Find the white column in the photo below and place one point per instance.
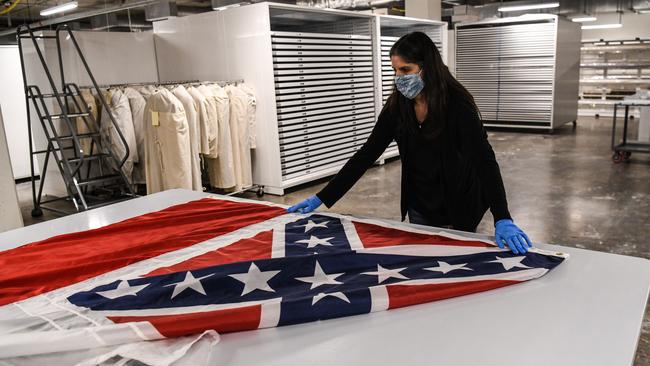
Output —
(423, 9)
(11, 217)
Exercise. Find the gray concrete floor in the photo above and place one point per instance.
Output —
(562, 189)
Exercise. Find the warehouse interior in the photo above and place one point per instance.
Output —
(284, 94)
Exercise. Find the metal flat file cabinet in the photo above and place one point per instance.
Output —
(522, 71)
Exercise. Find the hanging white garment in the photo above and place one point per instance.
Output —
(204, 120)
(146, 91)
(121, 110)
(222, 169)
(137, 104)
(251, 109)
(167, 143)
(214, 131)
(191, 112)
(239, 129)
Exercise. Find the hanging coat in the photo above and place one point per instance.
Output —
(191, 112)
(167, 143)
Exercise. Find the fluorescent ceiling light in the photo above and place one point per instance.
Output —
(583, 19)
(59, 8)
(644, 11)
(529, 7)
(602, 26)
(226, 7)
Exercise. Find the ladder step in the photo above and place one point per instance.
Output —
(99, 180)
(88, 158)
(38, 37)
(53, 95)
(79, 135)
(69, 115)
(44, 151)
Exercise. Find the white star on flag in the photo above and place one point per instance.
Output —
(445, 267)
(321, 295)
(314, 241)
(189, 282)
(384, 273)
(255, 279)
(512, 262)
(321, 278)
(123, 289)
(310, 225)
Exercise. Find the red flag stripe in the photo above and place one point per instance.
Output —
(257, 247)
(223, 321)
(405, 295)
(40, 267)
(375, 236)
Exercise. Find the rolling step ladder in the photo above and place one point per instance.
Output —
(92, 178)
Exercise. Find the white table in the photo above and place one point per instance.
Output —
(588, 311)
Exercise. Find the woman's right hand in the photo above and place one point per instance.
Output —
(306, 206)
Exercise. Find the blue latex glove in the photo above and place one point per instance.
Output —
(306, 206)
(517, 240)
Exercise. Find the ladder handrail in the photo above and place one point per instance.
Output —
(65, 27)
(56, 93)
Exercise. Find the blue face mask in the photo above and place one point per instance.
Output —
(409, 85)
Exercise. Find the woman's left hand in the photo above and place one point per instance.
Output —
(507, 232)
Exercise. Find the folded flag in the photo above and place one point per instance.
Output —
(232, 265)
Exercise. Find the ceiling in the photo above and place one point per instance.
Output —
(138, 17)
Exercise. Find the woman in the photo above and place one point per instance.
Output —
(450, 175)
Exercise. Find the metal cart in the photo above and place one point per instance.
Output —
(624, 149)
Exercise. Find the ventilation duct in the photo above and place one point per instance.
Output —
(160, 11)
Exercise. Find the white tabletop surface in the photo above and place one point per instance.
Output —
(587, 311)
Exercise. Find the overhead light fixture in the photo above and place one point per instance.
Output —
(602, 26)
(644, 11)
(583, 19)
(59, 8)
(226, 7)
(529, 7)
(219, 5)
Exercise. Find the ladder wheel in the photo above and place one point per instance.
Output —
(37, 212)
(260, 192)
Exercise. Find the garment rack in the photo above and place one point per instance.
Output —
(185, 82)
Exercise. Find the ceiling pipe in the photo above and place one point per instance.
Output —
(83, 15)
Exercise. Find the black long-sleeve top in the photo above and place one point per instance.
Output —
(471, 180)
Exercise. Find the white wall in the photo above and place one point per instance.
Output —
(12, 102)
(634, 25)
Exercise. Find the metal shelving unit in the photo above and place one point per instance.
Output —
(610, 71)
(391, 28)
(318, 129)
(623, 147)
(522, 71)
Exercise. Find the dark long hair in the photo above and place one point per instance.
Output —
(439, 83)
